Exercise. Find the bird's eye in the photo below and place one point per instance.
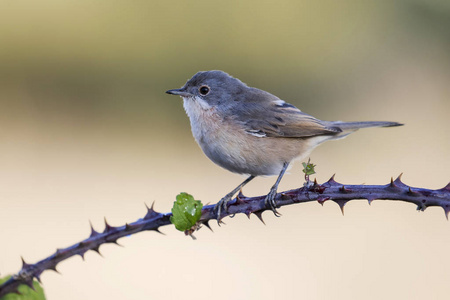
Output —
(204, 90)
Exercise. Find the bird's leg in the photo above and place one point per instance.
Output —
(270, 198)
(222, 204)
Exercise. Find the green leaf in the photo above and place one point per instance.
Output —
(186, 211)
(26, 292)
(308, 168)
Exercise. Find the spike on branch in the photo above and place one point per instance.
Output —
(344, 190)
(93, 232)
(53, 268)
(446, 188)
(81, 254)
(412, 193)
(24, 264)
(158, 231)
(321, 200)
(38, 278)
(151, 213)
(398, 182)
(206, 223)
(30, 284)
(128, 227)
(370, 200)
(332, 181)
(97, 249)
(341, 204)
(446, 208)
(259, 215)
(392, 184)
(239, 197)
(108, 228)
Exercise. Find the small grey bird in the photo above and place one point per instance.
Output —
(250, 131)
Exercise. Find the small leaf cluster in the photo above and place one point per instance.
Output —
(308, 168)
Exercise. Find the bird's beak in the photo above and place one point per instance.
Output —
(180, 92)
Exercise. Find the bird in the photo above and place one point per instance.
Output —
(249, 131)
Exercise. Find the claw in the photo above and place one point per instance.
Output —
(271, 203)
(221, 206)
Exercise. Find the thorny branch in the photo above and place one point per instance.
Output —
(331, 190)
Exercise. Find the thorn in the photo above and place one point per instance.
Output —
(53, 269)
(315, 181)
(412, 193)
(81, 255)
(93, 232)
(130, 227)
(322, 200)
(331, 181)
(341, 204)
(97, 249)
(158, 231)
(259, 215)
(24, 264)
(108, 227)
(38, 278)
(151, 213)
(446, 210)
(344, 190)
(370, 200)
(30, 284)
(58, 251)
(248, 213)
(118, 244)
(239, 197)
(127, 227)
(446, 188)
(392, 183)
(206, 223)
(398, 181)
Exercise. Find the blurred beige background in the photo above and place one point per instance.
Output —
(86, 131)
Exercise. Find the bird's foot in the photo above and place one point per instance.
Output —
(271, 203)
(222, 206)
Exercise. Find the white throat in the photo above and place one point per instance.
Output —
(195, 107)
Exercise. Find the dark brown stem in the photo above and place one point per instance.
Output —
(331, 190)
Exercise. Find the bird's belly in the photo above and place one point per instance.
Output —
(230, 147)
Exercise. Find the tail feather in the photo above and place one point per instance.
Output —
(356, 125)
(349, 127)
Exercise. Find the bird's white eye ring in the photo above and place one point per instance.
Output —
(204, 90)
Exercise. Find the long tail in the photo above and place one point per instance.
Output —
(356, 125)
(349, 127)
